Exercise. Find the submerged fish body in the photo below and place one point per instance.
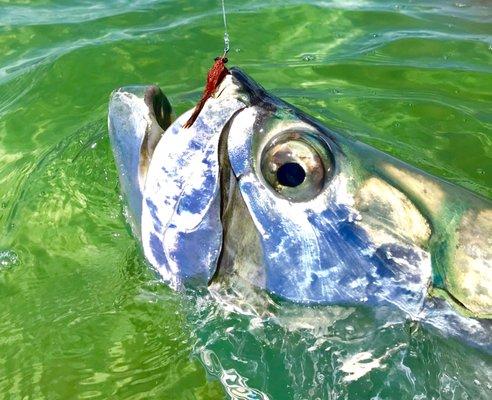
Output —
(258, 190)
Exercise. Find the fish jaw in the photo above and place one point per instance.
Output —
(181, 200)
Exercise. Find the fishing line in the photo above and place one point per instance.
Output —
(226, 34)
(215, 75)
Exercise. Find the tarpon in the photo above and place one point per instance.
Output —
(259, 190)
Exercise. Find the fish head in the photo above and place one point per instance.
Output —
(258, 189)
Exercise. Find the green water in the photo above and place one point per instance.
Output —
(82, 317)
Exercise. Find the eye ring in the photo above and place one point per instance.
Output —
(296, 165)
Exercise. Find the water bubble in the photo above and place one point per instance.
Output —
(480, 171)
(8, 258)
(308, 57)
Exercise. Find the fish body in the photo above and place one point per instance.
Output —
(259, 190)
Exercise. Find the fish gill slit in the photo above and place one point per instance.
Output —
(225, 175)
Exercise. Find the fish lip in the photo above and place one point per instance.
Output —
(181, 207)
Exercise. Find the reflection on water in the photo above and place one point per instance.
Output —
(291, 351)
(83, 317)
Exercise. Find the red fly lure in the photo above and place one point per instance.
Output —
(215, 76)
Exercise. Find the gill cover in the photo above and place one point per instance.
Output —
(313, 249)
(181, 204)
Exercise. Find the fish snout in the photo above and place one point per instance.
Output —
(138, 116)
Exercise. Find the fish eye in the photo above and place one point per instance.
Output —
(296, 165)
(291, 174)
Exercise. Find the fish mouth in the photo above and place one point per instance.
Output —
(140, 123)
(185, 191)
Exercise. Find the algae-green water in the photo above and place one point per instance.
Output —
(81, 314)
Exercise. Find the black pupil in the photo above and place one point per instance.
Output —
(291, 174)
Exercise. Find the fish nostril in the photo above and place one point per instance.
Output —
(291, 174)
